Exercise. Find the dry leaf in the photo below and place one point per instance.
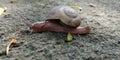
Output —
(76, 7)
(92, 5)
(12, 41)
(69, 37)
(99, 14)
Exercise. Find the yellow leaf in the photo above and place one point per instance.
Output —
(43, 4)
(2, 10)
(77, 7)
(69, 37)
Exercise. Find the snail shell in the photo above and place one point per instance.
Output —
(65, 14)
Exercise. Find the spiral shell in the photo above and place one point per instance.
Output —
(65, 14)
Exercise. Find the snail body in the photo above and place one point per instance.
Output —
(54, 27)
(58, 20)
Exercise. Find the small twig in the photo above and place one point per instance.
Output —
(12, 41)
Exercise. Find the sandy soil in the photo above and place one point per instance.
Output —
(103, 43)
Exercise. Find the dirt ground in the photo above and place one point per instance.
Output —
(103, 42)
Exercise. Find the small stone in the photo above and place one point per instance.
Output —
(1, 33)
(7, 15)
(12, 1)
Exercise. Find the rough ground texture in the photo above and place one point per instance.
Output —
(103, 43)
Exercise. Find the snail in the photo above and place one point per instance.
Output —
(60, 19)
